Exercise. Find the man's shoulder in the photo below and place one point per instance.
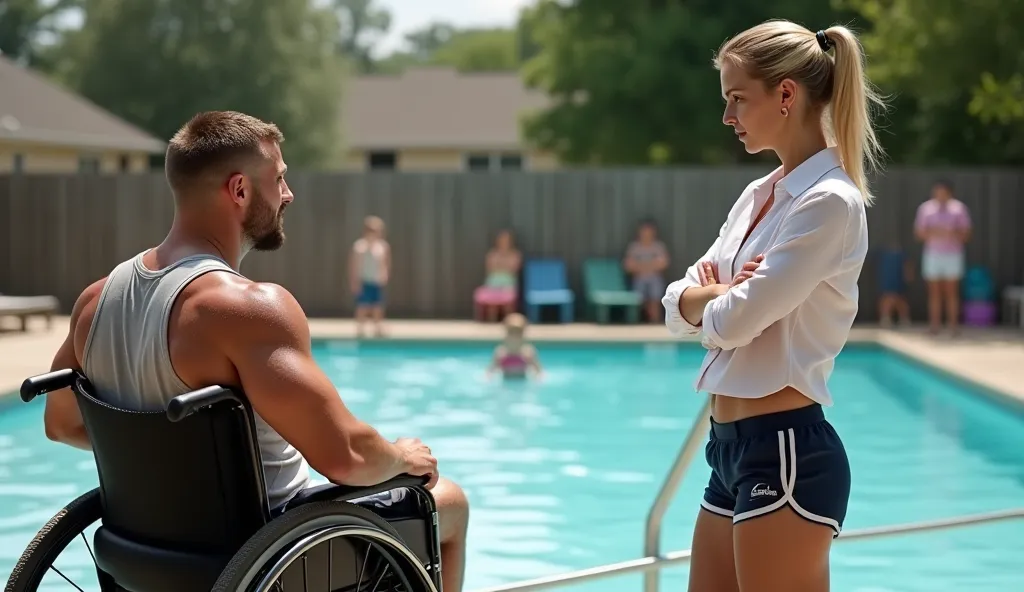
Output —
(84, 309)
(232, 302)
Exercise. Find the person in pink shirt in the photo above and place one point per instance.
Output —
(943, 224)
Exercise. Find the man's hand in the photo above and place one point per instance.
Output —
(417, 457)
(747, 271)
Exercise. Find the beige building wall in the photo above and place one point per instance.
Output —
(440, 159)
(36, 158)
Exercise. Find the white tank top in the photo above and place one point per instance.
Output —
(371, 259)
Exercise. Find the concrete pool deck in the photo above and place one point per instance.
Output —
(992, 359)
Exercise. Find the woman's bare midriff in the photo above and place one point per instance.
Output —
(725, 409)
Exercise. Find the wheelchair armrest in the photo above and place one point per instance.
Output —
(182, 406)
(350, 492)
(34, 386)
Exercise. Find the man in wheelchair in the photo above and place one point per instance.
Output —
(180, 316)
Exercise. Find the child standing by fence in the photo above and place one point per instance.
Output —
(369, 270)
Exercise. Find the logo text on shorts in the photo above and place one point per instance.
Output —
(763, 489)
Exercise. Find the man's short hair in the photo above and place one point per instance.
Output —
(215, 141)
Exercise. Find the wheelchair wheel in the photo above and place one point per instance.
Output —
(51, 540)
(326, 547)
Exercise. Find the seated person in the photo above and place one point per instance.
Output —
(180, 316)
(497, 297)
(514, 357)
(895, 271)
(646, 260)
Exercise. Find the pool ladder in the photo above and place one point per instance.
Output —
(654, 560)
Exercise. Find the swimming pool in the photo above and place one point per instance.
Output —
(561, 473)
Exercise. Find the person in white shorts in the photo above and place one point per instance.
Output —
(943, 224)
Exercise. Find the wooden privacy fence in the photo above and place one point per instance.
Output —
(59, 233)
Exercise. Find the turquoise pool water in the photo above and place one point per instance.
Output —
(561, 473)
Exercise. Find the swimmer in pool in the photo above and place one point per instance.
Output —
(515, 358)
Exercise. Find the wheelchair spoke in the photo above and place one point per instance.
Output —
(86, 541)
(381, 578)
(66, 579)
(330, 561)
(305, 580)
(362, 568)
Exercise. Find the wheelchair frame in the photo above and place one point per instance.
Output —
(222, 514)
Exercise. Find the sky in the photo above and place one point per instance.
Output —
(409, 15)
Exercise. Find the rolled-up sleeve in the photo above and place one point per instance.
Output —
(810, 248)
(674, 321)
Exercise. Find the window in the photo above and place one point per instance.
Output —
(18, 166)
(483, 161)
(478, 162)
(381, 161)
(126, 163)
(88, 164)
(511, 162)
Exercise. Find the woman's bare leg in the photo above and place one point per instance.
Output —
(712, 567)
(782, 552)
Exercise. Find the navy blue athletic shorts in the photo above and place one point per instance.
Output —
(764, 463)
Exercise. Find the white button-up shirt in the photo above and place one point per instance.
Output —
(785, 325)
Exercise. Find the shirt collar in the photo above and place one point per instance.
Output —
(804, 176)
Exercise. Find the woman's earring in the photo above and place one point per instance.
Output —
(785, 112)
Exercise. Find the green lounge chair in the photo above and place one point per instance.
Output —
(605, 286)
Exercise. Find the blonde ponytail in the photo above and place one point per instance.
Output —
(850, 110)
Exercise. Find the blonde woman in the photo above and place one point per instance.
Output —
(775, 297)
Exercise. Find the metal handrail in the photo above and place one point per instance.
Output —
(652, 532)
(652, 564)
(653, 560)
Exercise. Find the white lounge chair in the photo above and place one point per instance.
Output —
(24, 307)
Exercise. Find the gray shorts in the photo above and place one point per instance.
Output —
(390, 503)
(650, 287)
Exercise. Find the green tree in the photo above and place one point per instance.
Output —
(427, 40)
(632, 82)
(479, 50)
(23, 22)
(955, 70)
(362, 25)
(466, 50)
(158, 62)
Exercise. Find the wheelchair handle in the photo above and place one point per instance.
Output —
(34, 386)
(182, 406)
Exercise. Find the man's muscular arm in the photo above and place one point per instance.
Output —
(265, 334)
(62, 418)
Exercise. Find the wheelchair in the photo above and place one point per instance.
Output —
(182, 506)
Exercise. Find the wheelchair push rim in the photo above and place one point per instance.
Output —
(382, 542)
(266, 559)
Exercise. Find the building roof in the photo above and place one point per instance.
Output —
(34, 109)
(436, 108)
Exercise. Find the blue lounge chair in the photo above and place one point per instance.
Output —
(545, 283)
